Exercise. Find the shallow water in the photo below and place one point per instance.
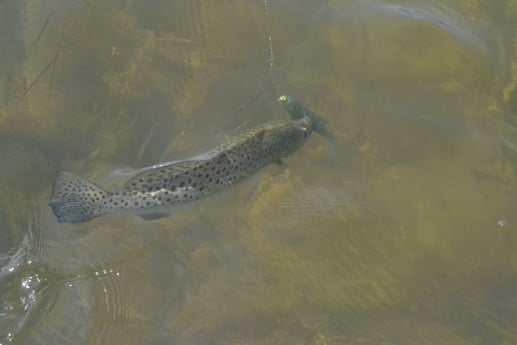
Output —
(408, 236)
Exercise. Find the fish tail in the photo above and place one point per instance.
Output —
(75, 199)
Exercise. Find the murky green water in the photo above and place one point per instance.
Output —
(408, 236)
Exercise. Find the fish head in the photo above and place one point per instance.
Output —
(303, 131)
(300, 132)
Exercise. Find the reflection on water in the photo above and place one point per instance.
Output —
(408, 236)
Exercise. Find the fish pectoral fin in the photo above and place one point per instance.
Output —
(154, 216)
(280, 171)
(282, 176)
(281, 165)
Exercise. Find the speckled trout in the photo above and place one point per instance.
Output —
(151, 191)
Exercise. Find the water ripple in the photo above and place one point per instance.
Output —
(432, 15)
(26, 292)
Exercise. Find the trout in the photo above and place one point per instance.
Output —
(154, 190)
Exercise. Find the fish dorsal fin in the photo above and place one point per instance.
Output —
(261, 134)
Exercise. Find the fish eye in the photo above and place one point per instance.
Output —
(305, 131)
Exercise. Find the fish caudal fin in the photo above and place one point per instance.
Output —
(75, 199)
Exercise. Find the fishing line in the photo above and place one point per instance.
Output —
(270, 59)
(270, 94)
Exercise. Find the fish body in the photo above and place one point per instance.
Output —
(157, 188)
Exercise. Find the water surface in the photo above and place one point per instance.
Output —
(408, 236)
